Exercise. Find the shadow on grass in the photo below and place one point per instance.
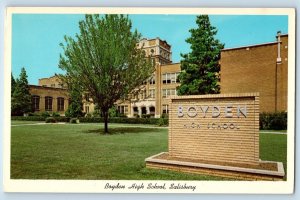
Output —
(121, 130)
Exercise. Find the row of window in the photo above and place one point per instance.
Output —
(123, 110)
(48, 103)
(168, 92)
(151, 95)
(169, 78)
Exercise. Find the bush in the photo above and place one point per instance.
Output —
(28, 118)
(123, 120)
(122, 115)
(55, 114)
(165, 115)
(88, 115)
(45, 114)
(74, 121)
(163, 122)
(50, 120)
(146, 115)
(273, 121)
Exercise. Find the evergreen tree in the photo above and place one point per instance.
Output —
(200, 68)
(21, 98)
(104, 61)
(13, 84)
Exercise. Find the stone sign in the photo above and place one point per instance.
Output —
(222, 128)
(216, 135)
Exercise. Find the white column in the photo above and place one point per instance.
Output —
(148, 110)
(140, 111)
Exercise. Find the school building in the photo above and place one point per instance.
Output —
(259, 68)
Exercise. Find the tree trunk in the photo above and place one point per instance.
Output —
(105, 115)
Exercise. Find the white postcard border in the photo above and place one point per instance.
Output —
(97, 186)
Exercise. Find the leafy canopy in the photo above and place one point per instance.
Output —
(103, 59)
(200, 68)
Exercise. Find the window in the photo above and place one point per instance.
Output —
(48, 103)
(168, 92)
(165, 108)
(123, 110)
(173, 77)
(60, 104)
(87, 109)
(152, 93)
(152, 80)
(170, 78)
(135, 110)
(35, 103)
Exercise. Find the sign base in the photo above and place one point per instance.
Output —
(163, 161)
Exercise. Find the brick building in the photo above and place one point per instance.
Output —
(49, 96)
(259, 68)
(256, 68)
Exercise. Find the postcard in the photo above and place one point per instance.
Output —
(149, 100)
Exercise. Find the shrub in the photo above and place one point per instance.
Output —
(122, 115)
(62, 119)
(55, 114)
(45, 114)
(74, 121)
(97, 119)
(88, 115)
(146, 115)
(165, 115)
(163, 122)
(28, 118)
(273, 121)
(50, 120)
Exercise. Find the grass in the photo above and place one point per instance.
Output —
(273, 147)
(82, 151)
(24, 122)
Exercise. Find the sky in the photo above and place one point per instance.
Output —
(36, 37)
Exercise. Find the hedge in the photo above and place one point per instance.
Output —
(123, 120)
(39, 118)
(273, 121)
(268, 121)
(50, 120)
(98, 120)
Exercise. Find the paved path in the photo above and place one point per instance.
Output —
(40, 123)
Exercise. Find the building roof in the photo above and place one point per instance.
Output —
(48, 88)
(255, 45)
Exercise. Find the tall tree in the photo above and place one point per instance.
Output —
(200, 68)
(21, 97)
(76, 105)
(13, 84)
(104, 61)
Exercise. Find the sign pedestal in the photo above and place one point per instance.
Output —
(216, 135)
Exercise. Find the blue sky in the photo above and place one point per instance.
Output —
(36, 37)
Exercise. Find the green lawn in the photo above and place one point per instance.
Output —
(79, 151)
(24, 122)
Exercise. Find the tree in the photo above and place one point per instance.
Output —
(75, 107)
(21, 97)
(104, 61)
(13, 84)
(200, 68)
